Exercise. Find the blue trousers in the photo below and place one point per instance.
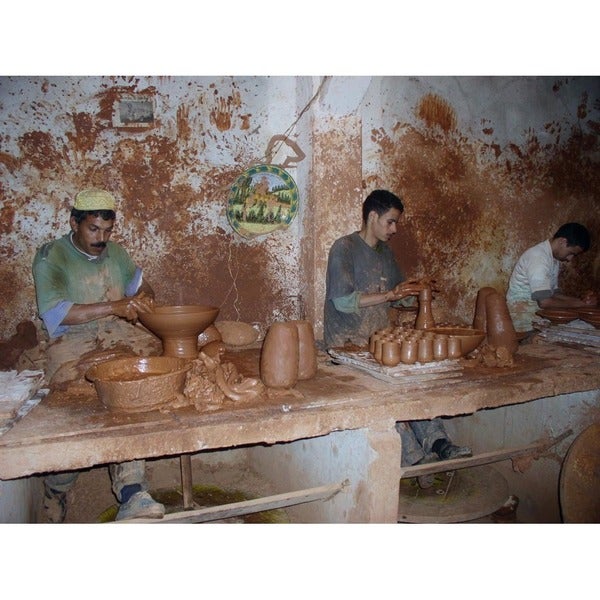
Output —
(418, 437)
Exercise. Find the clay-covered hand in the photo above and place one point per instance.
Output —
(128, 308)
(411, 287)
(143, 302)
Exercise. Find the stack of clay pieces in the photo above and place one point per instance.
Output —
(288, 354)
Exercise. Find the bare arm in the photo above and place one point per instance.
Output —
(563, 301)
(126, 308)
(402, 290)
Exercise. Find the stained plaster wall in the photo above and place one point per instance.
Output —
(486, 166)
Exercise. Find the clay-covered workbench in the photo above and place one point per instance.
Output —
(78, 432)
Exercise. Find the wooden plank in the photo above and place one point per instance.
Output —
(236, 509)
(482, 459)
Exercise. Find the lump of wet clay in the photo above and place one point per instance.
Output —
(210, 334)
(236, 333)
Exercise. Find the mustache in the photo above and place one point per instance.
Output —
(98, 245)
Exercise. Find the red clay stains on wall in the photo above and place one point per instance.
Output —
(470, 210)
(434, 110)
(183, 123)
(87, 130)
(221, 114)
(10, 162)
(39, 149)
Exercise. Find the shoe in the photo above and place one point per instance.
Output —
(449, 450)
(55, 505)
(426, 481)
(141, 506)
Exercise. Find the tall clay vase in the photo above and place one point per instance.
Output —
(307, 350)
(479, 320)
(425, 318)
(500, 329)
(279, 356)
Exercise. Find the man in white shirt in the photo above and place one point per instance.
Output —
(533, 283)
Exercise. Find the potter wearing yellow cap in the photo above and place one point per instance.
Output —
(89, 291)
(94, 199)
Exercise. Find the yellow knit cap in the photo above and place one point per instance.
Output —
(94, 199)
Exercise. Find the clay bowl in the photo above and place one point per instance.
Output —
(179, 326)
(593, 312)
(558, 315)
(469, 338)
(139, 384)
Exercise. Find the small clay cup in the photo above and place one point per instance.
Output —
(440, 347)
(408, 351)
(425, 350)
(390, 353)
(454, 347)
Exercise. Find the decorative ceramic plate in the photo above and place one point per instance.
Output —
(263, 199)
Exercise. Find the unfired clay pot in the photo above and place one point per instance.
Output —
(307, 350)
(179, 326)
(440, 347)
(279, 357)
(390, 353)
(425, 318)
(425, 350)
(408, 351)
(479, 320)
(454, 347)
(500, 329)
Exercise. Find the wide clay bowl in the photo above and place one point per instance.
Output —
(139, 384)
(179, 326)
(558, 315)
(191, 319)
(592, 311)
(469, 338)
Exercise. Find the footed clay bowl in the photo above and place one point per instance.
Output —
(140, 383)
(558, 315)
(179, 326)
(469, 338)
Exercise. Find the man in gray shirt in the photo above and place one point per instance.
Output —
(363, 278)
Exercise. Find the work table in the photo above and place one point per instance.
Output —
(76, 431)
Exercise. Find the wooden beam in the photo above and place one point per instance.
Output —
(236, 509)
(482, 459)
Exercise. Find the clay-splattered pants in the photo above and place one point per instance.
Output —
(63, 355)
(418, 438)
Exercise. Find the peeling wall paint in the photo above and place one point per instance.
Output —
(486, 166)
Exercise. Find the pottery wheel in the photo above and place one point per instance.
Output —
(580, 478)
(455, 496)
